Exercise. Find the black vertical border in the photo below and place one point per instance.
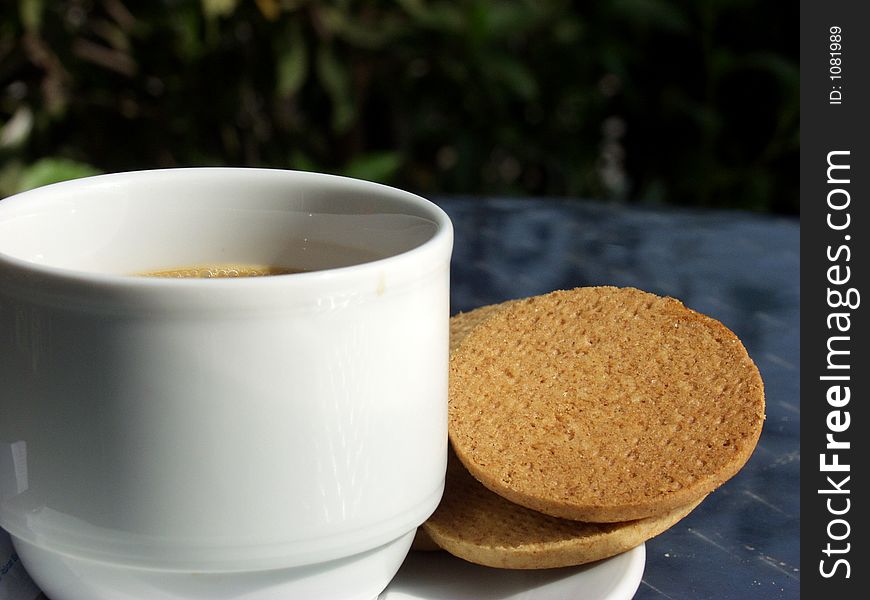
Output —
(827, 127)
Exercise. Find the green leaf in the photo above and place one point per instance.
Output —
(336, 81)
(52, 170)
(356, 32)
(505, 20)
(113, 34)
(374, 166)
(10, 175)
(31, 13)
(516, 76)
(440, 16)
(218, 8)
(292, 68)
(187, 34)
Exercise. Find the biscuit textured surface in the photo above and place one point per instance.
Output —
(602, 404)
(481, 527)
(462, 324)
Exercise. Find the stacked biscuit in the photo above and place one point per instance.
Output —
(584, 422)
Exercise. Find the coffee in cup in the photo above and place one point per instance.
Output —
(221, 271)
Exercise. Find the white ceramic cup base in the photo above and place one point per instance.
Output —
(360, 577)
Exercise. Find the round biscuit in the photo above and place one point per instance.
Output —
(481, 527)
(461, 324)
(603, 404)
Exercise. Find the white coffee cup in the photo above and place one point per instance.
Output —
(258, 438)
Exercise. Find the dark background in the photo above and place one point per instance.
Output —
(636, 101)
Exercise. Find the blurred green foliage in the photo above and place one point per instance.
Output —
(655, 101)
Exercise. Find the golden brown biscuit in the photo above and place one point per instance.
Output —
(481, 527)
(461, 324)
(603, 404)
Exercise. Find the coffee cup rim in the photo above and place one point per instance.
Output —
(78, 283)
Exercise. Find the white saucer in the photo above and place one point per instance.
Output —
(439, 576)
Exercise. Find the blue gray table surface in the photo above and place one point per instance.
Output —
(740, 268)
